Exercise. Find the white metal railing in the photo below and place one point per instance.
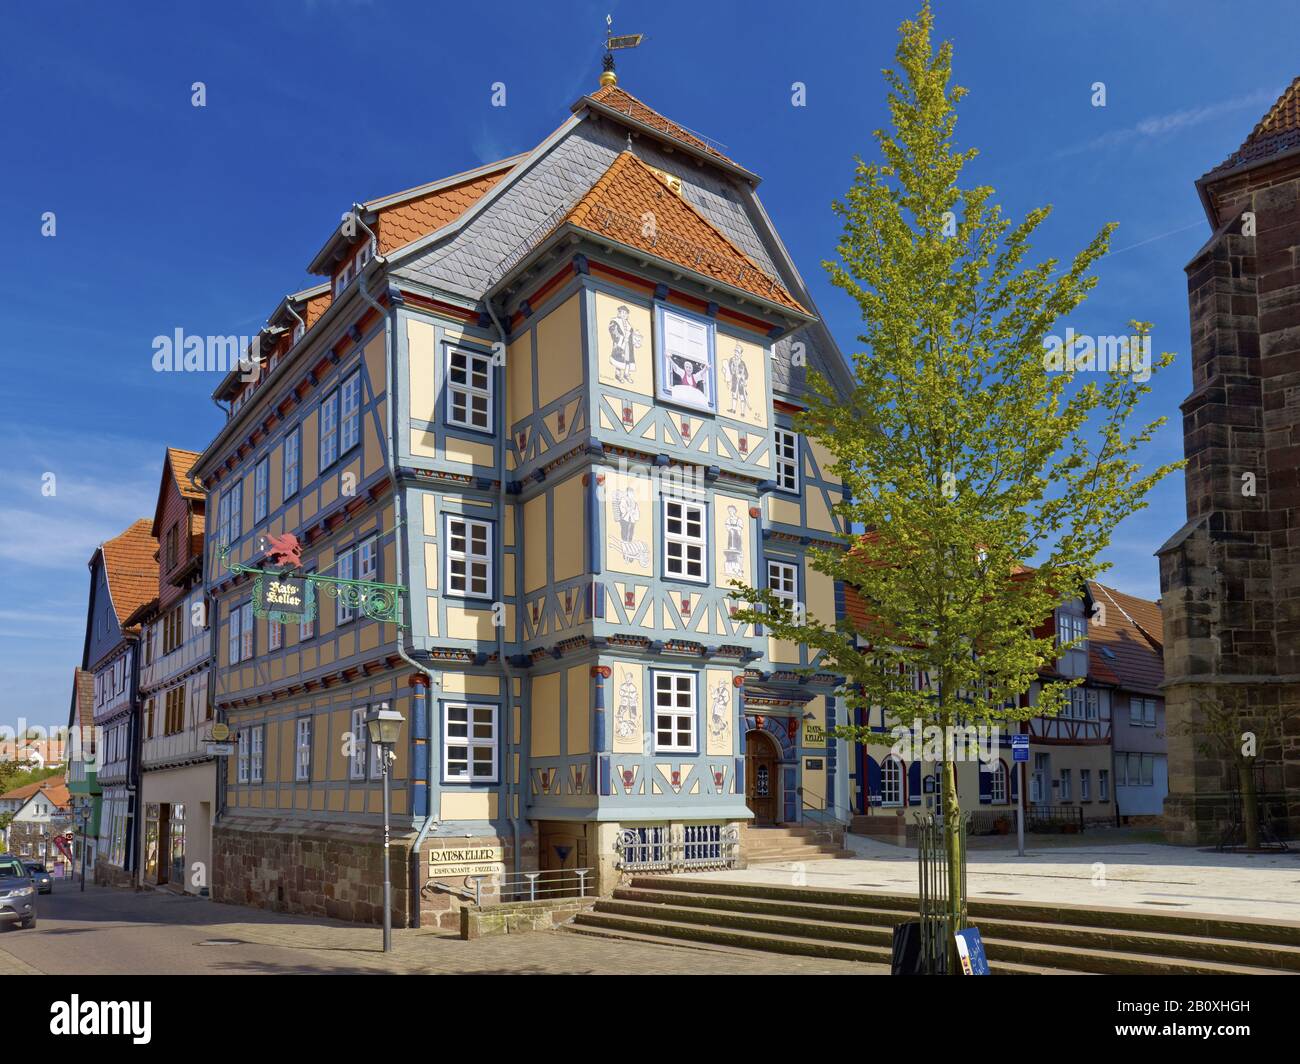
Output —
(677, 848)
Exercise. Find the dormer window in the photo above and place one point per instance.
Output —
(299, 331)
(342, 280)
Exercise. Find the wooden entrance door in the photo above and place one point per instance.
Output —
(760, 777)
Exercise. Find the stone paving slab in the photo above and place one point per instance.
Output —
(1109, 872)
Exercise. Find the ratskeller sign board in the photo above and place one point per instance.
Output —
(457, 860)
(283, 594)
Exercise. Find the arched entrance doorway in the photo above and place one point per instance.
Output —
(761, 779)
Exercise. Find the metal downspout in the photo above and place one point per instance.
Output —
(398, 548)
(512, 788)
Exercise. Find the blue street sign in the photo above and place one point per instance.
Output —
(1020, 748)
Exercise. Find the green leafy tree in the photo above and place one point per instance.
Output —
(986, 482)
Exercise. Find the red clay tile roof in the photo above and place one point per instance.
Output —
(1276, 132)
(83, 690)
(181, 462)
(624, 102)
(54, 788)
(616, 207)
(131, 568)
(404, 223)
(21, 794)
(1137, 662)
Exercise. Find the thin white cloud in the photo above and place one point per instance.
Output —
(1174, 122)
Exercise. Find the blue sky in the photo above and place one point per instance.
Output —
(170, 216)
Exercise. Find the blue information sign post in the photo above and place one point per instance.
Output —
(1019, 756)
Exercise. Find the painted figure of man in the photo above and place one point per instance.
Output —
(625, 717)
(736, 374)
(626, 341)
(720, 713)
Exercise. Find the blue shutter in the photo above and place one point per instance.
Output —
(1014, 773)
(914, 783)
(986, 785)
(873, 781)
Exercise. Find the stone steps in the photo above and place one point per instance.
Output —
(1019, 937)
(767, 845)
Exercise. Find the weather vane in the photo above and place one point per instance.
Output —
(612, 44)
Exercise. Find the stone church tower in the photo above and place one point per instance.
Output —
(1230, 577)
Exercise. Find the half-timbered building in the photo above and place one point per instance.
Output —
(123, 578)
(542, 410)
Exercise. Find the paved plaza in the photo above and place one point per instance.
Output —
(1103, 869)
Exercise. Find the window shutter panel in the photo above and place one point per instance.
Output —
(873, 781)
(1014, 773)
(914, 783)
(986, 785)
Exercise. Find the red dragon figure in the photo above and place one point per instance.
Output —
(284, 549)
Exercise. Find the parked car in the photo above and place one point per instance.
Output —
(41, 876)
(17, 893)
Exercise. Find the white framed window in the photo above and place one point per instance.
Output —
(235, 643)
(329, 430)
(274, 635)
(1092, 703)
(368, 559)
(350, 415)
(299, 331)
(685, 540)
(357, 762)
(1085, 785)
(292, 461)
(243, 759)
(255, 754)
(469, 557)
(246, 631)
(783, 581)
(1065, 792)
(1103, 784)
(469, 389)
(342, 279)
(1070, 626)
(685, 348)
(676, 711)
(1038, 780)
(223, 519)
(362, 257)
(998, 784)
(237, 509)
(891, 782)
(261, 489)
(302, 748)
(469, 747)
(785, 449)
(346, 570)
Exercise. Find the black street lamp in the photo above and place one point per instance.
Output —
(384, 727)
(83, 818)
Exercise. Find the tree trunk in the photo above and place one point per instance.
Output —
(956, 860)
(1249, 801)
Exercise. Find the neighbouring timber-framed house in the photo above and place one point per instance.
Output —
(551, 399)
(123, 578)
(177, 774)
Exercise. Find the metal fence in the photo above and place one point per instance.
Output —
(547, 885)
(677, 848)
(936, 916)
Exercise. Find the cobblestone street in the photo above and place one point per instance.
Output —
(106, 932)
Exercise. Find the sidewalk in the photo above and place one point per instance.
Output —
(1107, 873)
